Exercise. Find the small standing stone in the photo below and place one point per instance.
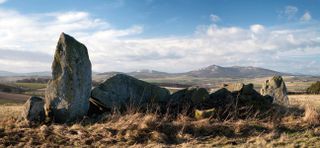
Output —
(276, 88)
(33, 110)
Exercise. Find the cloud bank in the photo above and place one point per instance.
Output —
(28, 43)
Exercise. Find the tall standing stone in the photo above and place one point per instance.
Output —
(67, 95)
(276, 88)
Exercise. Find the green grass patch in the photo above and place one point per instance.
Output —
(7, 101)
(35, 93)
(31, 85)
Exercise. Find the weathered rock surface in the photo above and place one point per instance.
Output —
(234, 87)
(237, 94)
(231, 99)
(67, 94)
(121, 91)
(188, 98)
(276, 88)
(33, 110)
(96, 108)
(220, 98)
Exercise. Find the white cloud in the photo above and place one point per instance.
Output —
(111, 49)
(306, 17)
(289, 12)
(256, 28)
(37, 34)
(214, 18)
(72, 16)
(2, 1)
(271, 48)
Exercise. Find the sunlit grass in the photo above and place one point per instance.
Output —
(153, 130)
(31, 85)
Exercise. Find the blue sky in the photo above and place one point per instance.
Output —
(126, 35)
(175, 17)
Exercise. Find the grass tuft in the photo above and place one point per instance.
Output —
(311, 115)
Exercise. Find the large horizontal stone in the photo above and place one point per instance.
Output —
(122, 91)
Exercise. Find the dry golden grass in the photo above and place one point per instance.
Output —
(149, 130)
(311, 115)
(10, 111)
(292, 128)
(303, 100)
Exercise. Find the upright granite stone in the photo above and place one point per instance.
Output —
(121, 91)
(67, 94)
(276, 88)
(33, 110)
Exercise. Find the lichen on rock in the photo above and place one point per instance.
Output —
(275, 88)
(67, 94)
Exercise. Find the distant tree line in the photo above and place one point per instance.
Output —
(10, 89)
(314, 88)
(34, 80)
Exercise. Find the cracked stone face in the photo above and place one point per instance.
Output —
(67, 94)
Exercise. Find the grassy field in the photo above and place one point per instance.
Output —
(305, 100)
(10, 111)
(25, 91)
(9, 98)
(32, 86)
(294, 84)
(290, 129)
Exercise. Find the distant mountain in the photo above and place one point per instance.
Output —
(213, 71)
(12, 74)
(147, 73)
(39, 74)
(143, 73)
(6, 73)
(43, 73)
(111, 73)
(233, 72)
